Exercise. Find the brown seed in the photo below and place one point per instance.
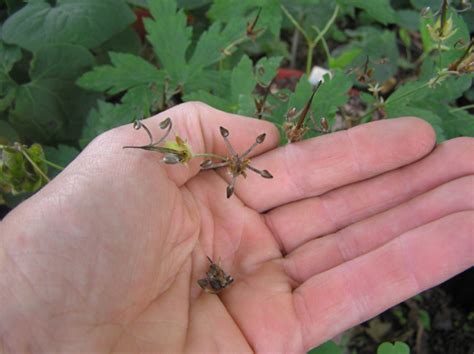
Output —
(261, 138)
(224, 132)
(166, 123)
(266, 174)
(230, 191)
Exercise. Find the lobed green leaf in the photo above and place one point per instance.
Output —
(127, 71)
(86, 22)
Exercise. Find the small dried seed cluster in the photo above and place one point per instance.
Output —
(178, 151)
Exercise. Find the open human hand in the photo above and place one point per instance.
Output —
(107, 256)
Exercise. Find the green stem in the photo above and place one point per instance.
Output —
(324, 44)
(309, 59)
(295, 23)
(35, 166)
(327, 27)
(52, 164)
(462, 108)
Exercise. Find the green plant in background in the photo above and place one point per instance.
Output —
(76, 69)
(395, 348)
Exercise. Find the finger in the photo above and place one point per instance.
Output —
(342, 297)
(316, 166)
(353, 241)
(296, 223)
(198, 124)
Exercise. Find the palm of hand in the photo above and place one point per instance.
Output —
(126, 264)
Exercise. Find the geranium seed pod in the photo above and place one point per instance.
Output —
(324, 123)
(230, 191)
(261, 138)
(266, 174)
(137, 124)
(292, 112)
(424, 11)
(206, 164)
(166, 123)
(224, 132)
(171, 159)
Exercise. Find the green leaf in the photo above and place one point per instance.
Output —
(169, 36)
(379, 10)
(270, 16)
(425, 320)
(451, 88)
(327, 348)
(266, 69)
(397, 348)
(143, 100)
(9, 55)
(242, 80)
(331, 95)
(86, 22)
(211, 44)
(38, 112)
(48, 110)
(408, 19)
(60, 61)
(105, 117)
(8, 135)
(459, 123)
(408, 92)
(208, 98)
(378, 46)
(127, 41)
(61, 156)
(8, 92)
(345, 59)
(127, 71)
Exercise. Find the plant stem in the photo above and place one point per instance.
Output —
(295, 23)
(35, 166)
(324, 44)
(462, 108)
(328, 26)
(312, 43)
(309, 59)
(52, 164)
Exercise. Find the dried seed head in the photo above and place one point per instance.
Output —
(166, 123)
(261, 138)
(224, 132)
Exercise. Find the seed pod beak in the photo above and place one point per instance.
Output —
(224, 132)
(261, 138)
